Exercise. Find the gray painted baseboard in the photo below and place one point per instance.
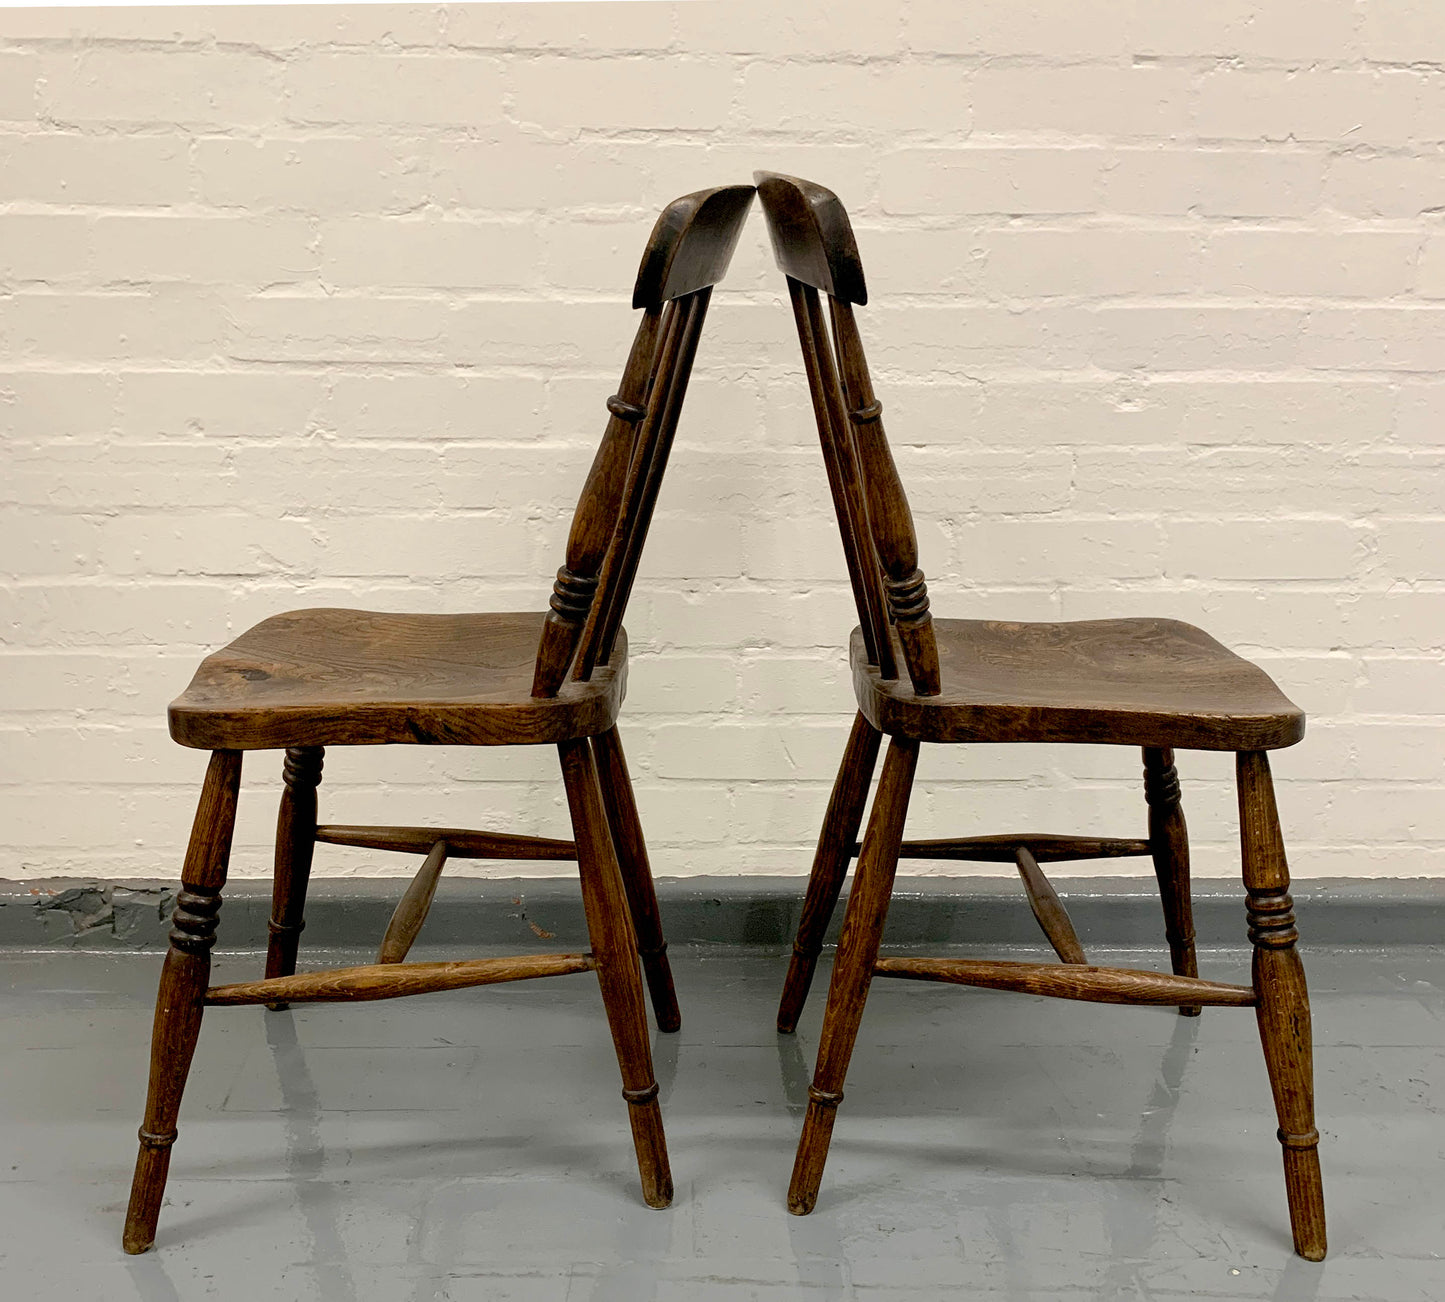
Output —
(756, 911)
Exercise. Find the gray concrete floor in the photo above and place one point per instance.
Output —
(473, 1145)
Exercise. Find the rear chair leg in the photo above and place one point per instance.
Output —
(853, 969)
(1169, 845)
(614, 946)
(621, 805)
(1283, 1007)
(184, 977)
(295, 845)
(830, 866)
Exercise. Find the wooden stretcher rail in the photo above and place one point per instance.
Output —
(1101, 985)
(1046, 848)
(391, 980)
(1049, 910)
(461, 844)
(412, 908)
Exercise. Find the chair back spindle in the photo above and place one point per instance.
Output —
(814, 246)
(888, 510)
(840, 459)
(689, 251)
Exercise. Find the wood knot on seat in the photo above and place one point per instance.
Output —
(193, 925)
(638, 1097)
(867, 414)
(150, 1139)
(572, 595)
(908, 598)
(624, 410)
(1271, 919)
(824, 1098)
(1309, 1139)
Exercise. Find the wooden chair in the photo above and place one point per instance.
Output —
(1153, 683)
(316, 678)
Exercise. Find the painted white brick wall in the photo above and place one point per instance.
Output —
(307, 306)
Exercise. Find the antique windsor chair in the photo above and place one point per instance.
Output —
(1153, 683)
(315, 678)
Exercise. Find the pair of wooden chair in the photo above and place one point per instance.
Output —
(311, 679)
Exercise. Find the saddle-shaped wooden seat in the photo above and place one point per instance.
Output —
(1134, 682)
(368, 678)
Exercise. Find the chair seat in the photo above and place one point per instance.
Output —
(361, 678)
(1127, 682)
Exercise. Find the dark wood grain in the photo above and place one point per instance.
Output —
(184, 976)
(388, 980)
(1153, 683)
(295, 845)
(649, 463)
(595, 520)
(830, 866)
(840, 462)
(1100, 985)
(1169, 847)
(363, 678)
(614, 947)
(412, 908)
(1045, 847)
(1048, 909)
(310, 679)
(1283, 1007)
(1123, 682)
(461, 843)
(627, 839)
(894, 537)
(811, 235)
(853, 969)
(691, 244)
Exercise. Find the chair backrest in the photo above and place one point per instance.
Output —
(687, 253)
(814, 246)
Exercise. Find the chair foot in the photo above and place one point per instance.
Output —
(812, 1152)
(614, 947)
(184, 976)
(650, 1144)
(795, 988)
(1283, 1007)
(853, 969)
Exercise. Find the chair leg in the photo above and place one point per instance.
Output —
(614, 947)
(295, 845)
(1283, 1006)
(853, 969)
(1169, 845)
(621, 806)
(830, 866)
(184, 977)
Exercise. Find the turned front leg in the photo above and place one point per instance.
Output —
(184, 977)
(1283, 1006)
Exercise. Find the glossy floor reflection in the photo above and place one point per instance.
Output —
(473, 1145)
